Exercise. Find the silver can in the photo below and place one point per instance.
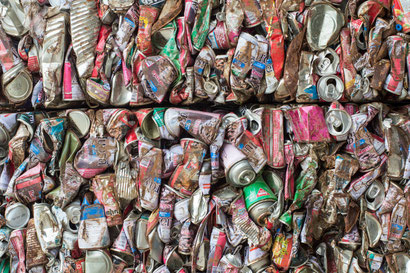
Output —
(338, 123)
(330, 88)
(326, 63)
(239, 172)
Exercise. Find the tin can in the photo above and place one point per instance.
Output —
(258, 198)
(17, 216)
(98, 261)
(330, 88)
(239, 172)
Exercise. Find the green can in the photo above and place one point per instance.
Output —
(258, 199)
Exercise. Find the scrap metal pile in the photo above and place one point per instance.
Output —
(204, 136)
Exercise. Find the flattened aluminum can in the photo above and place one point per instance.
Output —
(326, 63)
(253, 13)
(373, 229)
(330, 88)
(374, 195)
(52, 57)
(273, 137)
(157, 75)
(103, 188)
(282, 251)
(85, 26)
(166, 210)
(338, 123)
(71, 87)
(149, 178)
(120, 94)
(73, 212)
(246, 48)
(93, 231)
(120, 6)
(306, 91)
(48, 230)
(17, 216)
(34, 256)
(141, 238)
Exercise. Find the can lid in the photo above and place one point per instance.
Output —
(17, 216)
(17, 84)
(97, 261)
(80, 121)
